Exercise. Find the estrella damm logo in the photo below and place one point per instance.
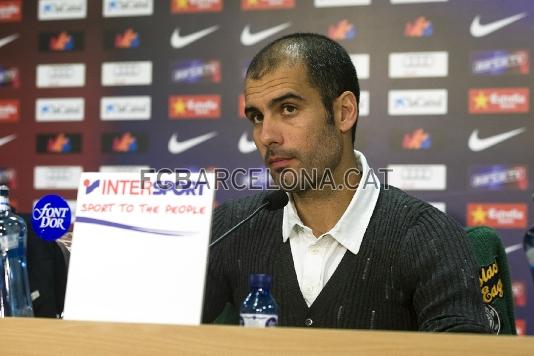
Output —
(194, 106)
(51, 217)
(499, 100)
(267, 4)
(191, 6)
(498, 215)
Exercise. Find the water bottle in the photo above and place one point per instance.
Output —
(259, 310)
(15, 297)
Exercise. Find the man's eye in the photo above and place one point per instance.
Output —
(255, 118)
(289, 109)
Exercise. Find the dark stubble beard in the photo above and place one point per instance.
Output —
(327, 157)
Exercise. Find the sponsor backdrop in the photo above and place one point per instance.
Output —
(121, 84)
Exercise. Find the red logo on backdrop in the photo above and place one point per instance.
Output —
(127, 39)
(58, 143)
(241, 107)
(343, 30)
(498, 100)
(420, 27)
(267, 4)
(188, 6)
(419, 139)
(194, 106)
(521, 327)
(503, 216)
(61, 42)
(9, 110)
(123, 143)
(10, 11)
(519, 290)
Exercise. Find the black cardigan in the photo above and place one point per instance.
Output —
(414, 270)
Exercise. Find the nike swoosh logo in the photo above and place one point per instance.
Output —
(249, 39)
(178, 41)
(7, 139)
(8, 39)
(480, 30)
(513, 248)
(176, 147)
(477, 144)
(245, 146)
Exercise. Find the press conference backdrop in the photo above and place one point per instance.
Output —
(88, 85)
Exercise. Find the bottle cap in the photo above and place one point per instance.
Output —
(260, 281)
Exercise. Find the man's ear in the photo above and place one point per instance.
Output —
(346, 113)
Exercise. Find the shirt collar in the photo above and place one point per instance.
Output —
(351, 227)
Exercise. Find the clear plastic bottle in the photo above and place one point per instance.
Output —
(15, 299)
(259, 310)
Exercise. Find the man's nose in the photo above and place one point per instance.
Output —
(270, 132)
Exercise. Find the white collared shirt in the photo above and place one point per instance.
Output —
(317, 258)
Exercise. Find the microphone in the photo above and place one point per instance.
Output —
(275, 200)
(272, 201)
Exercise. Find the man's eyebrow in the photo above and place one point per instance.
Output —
(285, 97)
(275, 101)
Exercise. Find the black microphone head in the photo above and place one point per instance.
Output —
(276, 199)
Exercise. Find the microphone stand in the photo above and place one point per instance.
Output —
(240, 223)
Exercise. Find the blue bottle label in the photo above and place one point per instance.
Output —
(51, 217)
(258, 320)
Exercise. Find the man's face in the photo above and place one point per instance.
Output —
(291, 130)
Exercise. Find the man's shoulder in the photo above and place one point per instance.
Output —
(393, 200)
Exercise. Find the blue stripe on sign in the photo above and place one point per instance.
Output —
(86, 220)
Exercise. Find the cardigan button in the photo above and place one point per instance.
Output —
(308, 322)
